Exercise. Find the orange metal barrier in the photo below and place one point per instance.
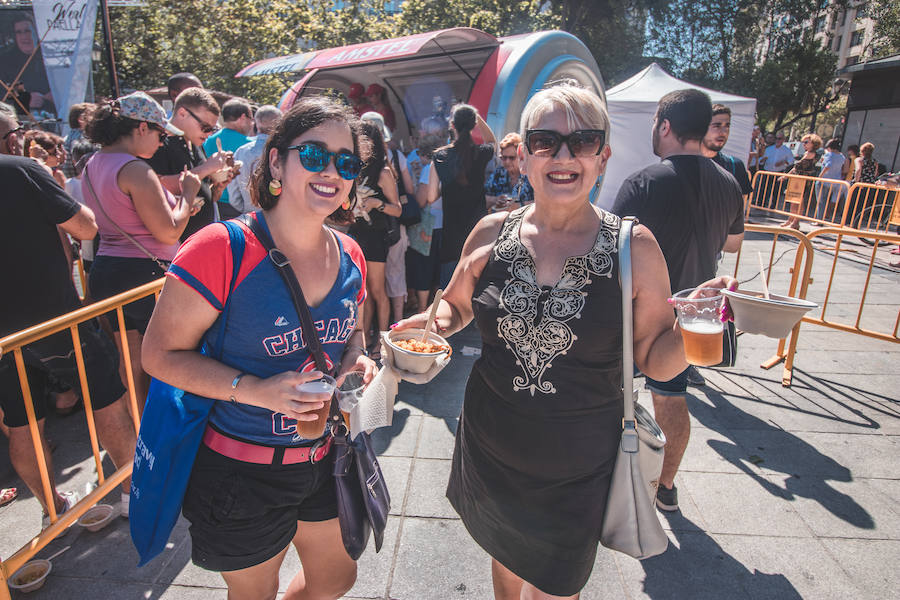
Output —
(798, 287)
(872, 207)
(854, 325)
(812, 199)
(14, 344)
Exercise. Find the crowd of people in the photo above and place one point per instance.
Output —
(505, 228)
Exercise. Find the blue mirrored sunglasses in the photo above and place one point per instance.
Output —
(315, 158)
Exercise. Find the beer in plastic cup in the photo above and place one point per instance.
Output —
(701, 326)
(350, 393)
(314, 429)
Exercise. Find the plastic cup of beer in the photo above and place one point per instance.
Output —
(701, 326)
(314, 429)
(350, 393)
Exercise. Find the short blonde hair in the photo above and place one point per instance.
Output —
(867, 149)
(584, 108)
(510, 139)
(815, 139)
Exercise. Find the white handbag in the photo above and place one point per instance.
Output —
(630, 524)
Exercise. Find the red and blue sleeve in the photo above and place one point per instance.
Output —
(356, 255)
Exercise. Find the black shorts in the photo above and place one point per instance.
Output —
(372, 241)
(243, 514)
(54, 357)
(424, 272)
(111, 275)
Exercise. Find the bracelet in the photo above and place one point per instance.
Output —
(234, 384)
(362, 350)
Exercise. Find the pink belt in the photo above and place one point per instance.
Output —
(264, 455)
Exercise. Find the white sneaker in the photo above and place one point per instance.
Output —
(123, 505)
(70, 499)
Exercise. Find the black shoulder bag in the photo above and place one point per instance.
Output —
(362, 494)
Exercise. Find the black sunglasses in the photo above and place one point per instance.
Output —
(12, 131)
(315, 158)
(581, 143)
(204, 126)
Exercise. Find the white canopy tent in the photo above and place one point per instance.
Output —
(632, 105)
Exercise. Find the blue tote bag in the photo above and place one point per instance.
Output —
(171, 431)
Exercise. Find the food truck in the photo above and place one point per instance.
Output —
(425, 74)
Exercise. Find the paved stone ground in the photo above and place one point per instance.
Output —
(785, 492)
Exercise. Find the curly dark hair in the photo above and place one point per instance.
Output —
(306, 114)
(107, 126)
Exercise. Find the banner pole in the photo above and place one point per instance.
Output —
(110, 58)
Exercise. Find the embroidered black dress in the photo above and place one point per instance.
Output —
(540, 425)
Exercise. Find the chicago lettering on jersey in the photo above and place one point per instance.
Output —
(335, 331)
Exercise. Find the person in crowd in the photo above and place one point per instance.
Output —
(48, 149)
(805, 166)
(79, 114)
(38, 287)
(777, 157)
(378, 198)
(757, 146)
(542, 415)
(305, 176)
(82, 150)
(457, 176)
(829, 196)
(850, 170)
(395, 266)
(196, 114)
(694, 209)
(423, 265)
(266, 118)
(12, 133)
(137, 216)
(376, 96)
(23, 62)
(715, 139)
(430, 127)
(506, 188)
(866, 167)
(179, 82)
(357, 97)
(237, 129)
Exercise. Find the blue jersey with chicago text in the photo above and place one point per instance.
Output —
(263, 336)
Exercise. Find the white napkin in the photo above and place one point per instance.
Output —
(376, 407)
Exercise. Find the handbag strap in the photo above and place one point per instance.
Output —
(290, 279)
(629, 432)
(128, 236)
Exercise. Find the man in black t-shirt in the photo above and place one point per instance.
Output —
(39, 287)
(196, 113)
(694, 209)
(716, 138)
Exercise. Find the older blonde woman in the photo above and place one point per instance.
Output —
(805, 166)
(542, 417)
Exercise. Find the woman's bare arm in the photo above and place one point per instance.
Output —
(165, 223)
(388, 185)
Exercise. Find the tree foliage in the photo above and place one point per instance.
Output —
(886, 14)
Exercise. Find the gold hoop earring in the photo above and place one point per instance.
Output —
(275, 187)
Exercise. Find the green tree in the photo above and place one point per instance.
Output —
(886, 14)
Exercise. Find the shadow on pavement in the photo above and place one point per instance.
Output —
(699, 568)
(774, 449)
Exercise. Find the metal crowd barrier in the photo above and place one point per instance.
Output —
(800, 281)
(813, 199)
(13, 344)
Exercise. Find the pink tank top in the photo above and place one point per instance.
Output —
(103, 169)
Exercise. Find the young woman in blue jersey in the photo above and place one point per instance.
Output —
(258, 492)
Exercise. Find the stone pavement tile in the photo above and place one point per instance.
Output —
(738, 504)
(74, 588)
(437, 438)
(605, 581)
(693, 567)
(400, 438)
(825, 455)
(843, 509)
(872, 564)
(438, 560)
(396, 475)
(688, 516)
(427, 490)
(890, 489)
(788, 568)
(818, 336)
(828, 361)
(373, 569)
(711, 452)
